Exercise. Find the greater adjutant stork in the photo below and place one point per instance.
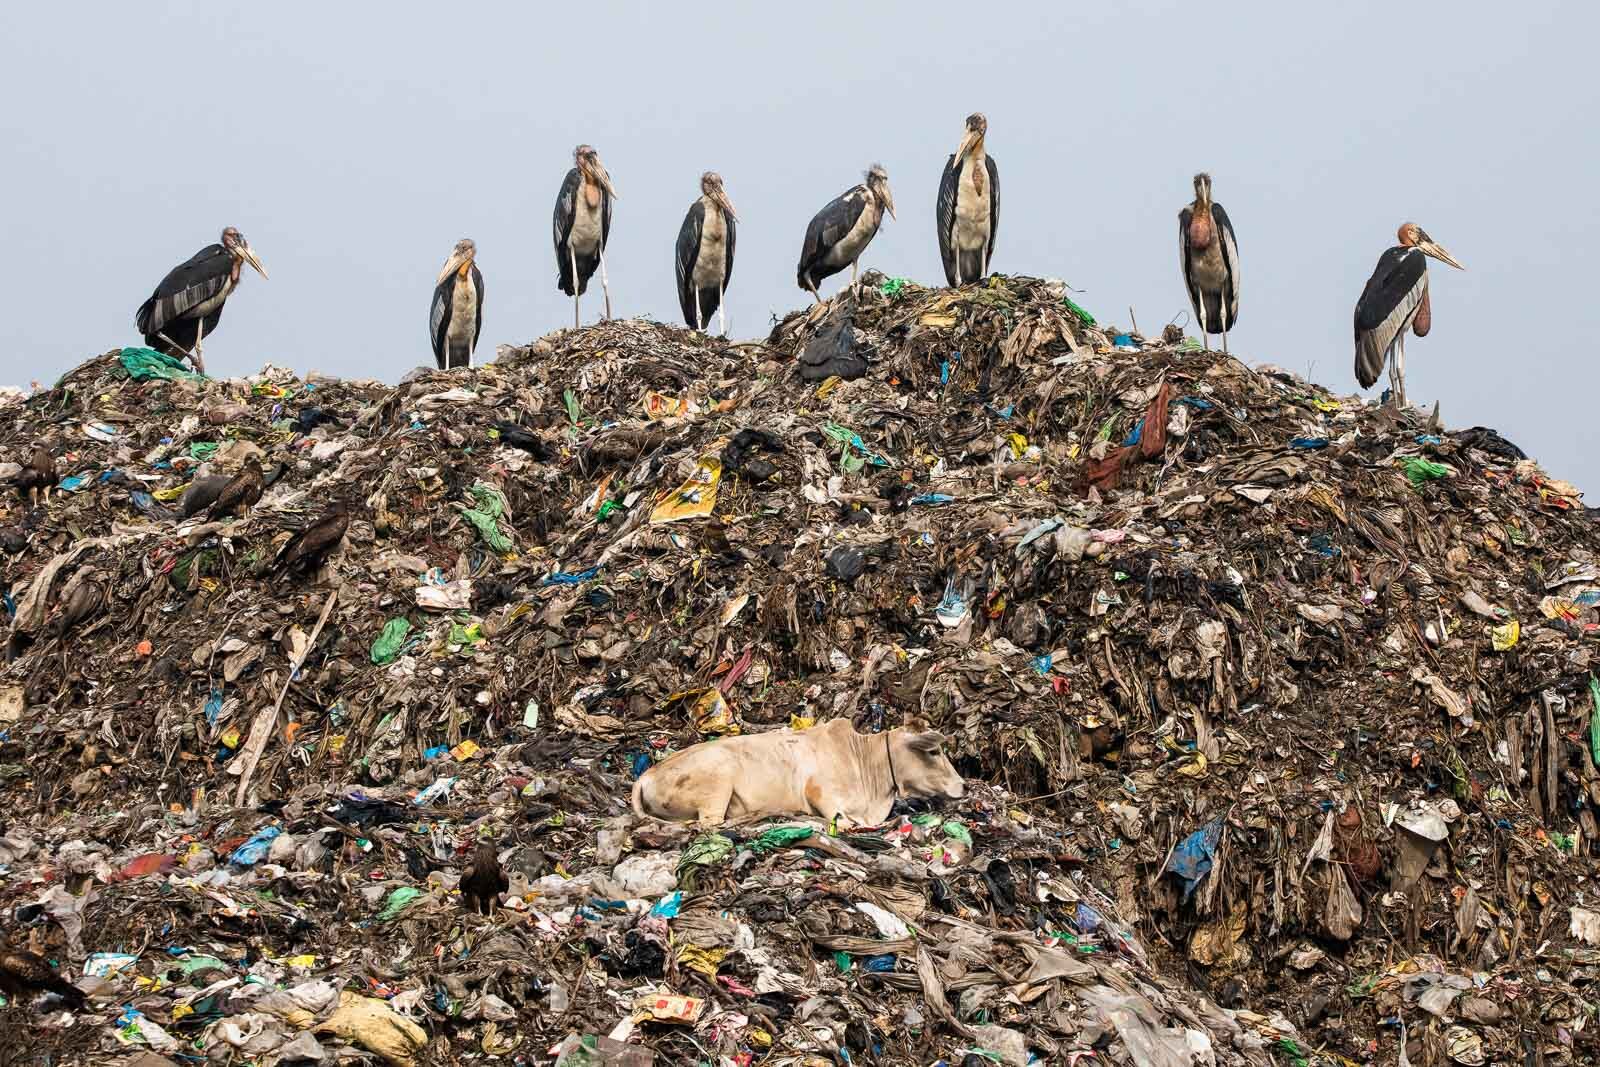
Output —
(1396, 297)
(841, 231)
(705, 253)
(968, 212)
(582, 226)
(187, 305)
(1209, 256)
(456, 317)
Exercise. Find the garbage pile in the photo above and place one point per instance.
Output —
(1276, 707)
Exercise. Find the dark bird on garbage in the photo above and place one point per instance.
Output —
(456, 316)
(240, 494)
(38, 475)
(310, 546)
(83, 599)
(515, 436)
(24, 974)
(841, 231)
(187, 305)
(582, 226)
(1209, 256)
(1396, 299)
(202, 493)
(968, 211)
(484, 881)
(705, 254)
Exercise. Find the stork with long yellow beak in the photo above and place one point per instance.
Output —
(841, 231)
(456, 316)
(187, 305)
(968, 211)
(705, 254)
(1396, 299)
(582, 226)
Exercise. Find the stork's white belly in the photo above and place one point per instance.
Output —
(712, 262)
(463, 313)
(972, 209)
(851, 245)
(586, 226)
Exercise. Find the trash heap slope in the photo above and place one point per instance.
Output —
(1284, 702)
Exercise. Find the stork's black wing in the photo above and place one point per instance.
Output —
(192, 282)
(439, 318)
(1387, 305)
(688, 251)
(477, 323)
(994, 209)
(561, 226)
(605, 218)
(944, 217)
(828, 227)
(1230, 261)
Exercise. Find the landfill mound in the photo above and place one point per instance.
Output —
(1276, 706)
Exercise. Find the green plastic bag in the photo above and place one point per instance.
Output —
(386, 649)
(486, 516)
(780, 837)
(401, 898)
(145, 364)
(1421, 470)
(1083, 316)
(1594, 720)
(892, 287)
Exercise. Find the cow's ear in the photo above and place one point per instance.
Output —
(927, 741)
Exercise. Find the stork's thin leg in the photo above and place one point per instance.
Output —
(722, 309)
(1400, 371)
(854, 263)
(604, 285)
(572, 257)
(816, 297)
(199, 348)
(1224, 332)
(699, 316)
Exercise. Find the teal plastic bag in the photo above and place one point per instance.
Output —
(145, 364)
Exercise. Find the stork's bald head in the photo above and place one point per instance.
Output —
(711, 188)
(1202, 187)
(236, 246)
(587, 160)
(878, 186)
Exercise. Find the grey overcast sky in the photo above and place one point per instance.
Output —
(354, 143)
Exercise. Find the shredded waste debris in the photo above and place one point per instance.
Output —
(1277, 709)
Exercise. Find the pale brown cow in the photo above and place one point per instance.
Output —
(829, 770)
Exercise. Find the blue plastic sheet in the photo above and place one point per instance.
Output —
(1191, 860)
(576, 578)
(254, 850)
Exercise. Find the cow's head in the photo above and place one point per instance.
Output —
(920, 765)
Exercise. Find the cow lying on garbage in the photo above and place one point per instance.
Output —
(829, 770)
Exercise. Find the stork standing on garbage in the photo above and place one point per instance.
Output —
(1396, 299)
(705, 254)
(968, 211)
(456, 316)
(841, 231)
(582, 226)
(1209, 256)
(187, 305)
